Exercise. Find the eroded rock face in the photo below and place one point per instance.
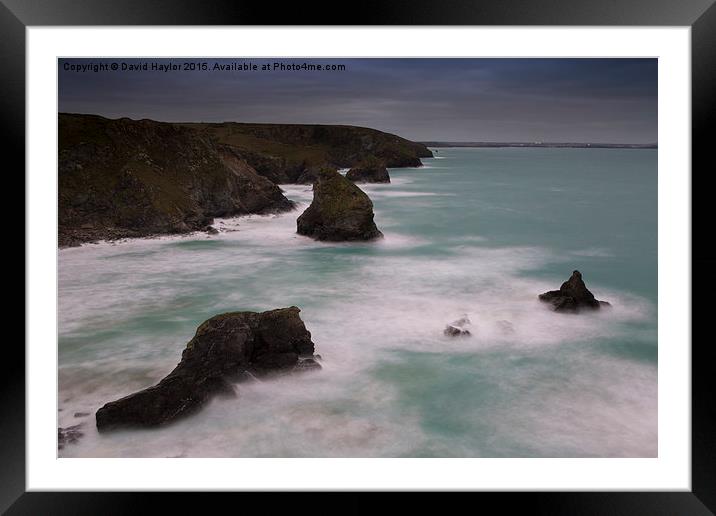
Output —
(572, 297)
(340, 211)
(134, 178)
(225, 349)
(369, 171)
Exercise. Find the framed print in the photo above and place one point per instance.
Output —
(435, 249)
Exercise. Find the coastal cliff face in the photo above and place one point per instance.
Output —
(284, 152)
(134, 178)
(126, 178)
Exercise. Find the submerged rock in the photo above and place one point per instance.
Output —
(458, 328)
(340, 211)
(573, 296)
(226, 348)
(369, 171)
(505, 327)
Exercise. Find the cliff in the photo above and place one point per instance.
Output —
(283, 152)
(126, 178)
(133, 178)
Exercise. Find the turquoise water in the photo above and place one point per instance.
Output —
(476, 232)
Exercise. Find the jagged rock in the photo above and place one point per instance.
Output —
(340, 211)
(69, 435)
(573, 296)
(225, 349)
(458, 328)
(307, 364)
(370, 170)
(211, 230)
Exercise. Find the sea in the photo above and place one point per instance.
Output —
(476, 233)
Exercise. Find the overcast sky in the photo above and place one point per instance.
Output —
(555, 100)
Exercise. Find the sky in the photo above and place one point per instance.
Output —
(487, 100)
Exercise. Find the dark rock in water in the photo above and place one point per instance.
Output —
(81, 414)
(340, 211)
(458, 328)
(211, 230)
(455, 331)
(69, 435)
(226, 348)
(369, 171)
(573, 296)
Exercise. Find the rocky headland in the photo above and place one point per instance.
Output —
(133, 178)
(226, 349)
(340, 211)
(283, 152)
(572, 297)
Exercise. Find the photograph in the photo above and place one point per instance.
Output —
(357, 257)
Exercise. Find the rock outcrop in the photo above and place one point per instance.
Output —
(458, 328)
(340, 211)
(573, 296)
(227, 348)
(132, 178)
(371, 170)
(69, 435)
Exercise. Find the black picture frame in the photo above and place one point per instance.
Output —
(700, 15)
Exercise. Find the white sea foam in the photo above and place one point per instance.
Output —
(527, 381)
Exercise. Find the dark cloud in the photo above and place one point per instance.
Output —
(580, 100)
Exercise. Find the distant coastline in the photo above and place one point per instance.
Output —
(567, 145)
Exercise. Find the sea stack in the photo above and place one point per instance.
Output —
(225, 349)
(340, 211)
(370, 170)
(572, 297)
